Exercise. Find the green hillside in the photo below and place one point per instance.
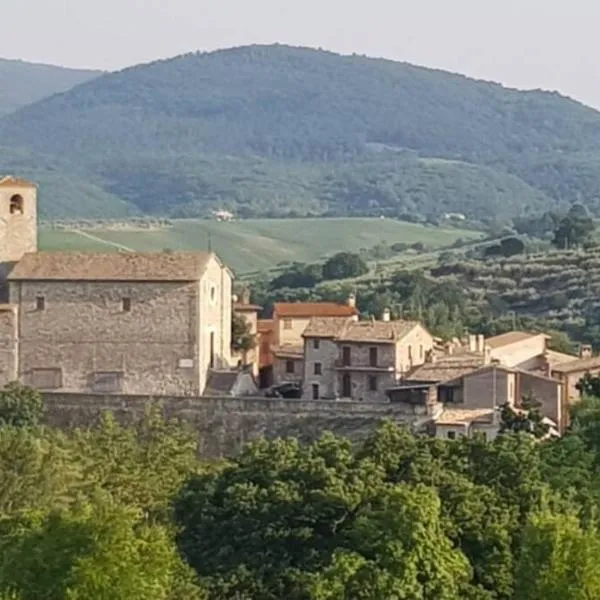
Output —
(256, 244)
(266, 130)
(22, 83)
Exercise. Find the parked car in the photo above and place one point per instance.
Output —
(285, 390)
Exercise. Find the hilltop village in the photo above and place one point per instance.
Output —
(160, 324)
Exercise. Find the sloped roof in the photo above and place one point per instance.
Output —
(240, 307)
(464, 416)
(512, 337)
(312, 309)
(446, 368)
(221, 383)
(581, 364)
(264, 325)
(15, 182)
(288, 351)
(376, 331)
(118, 266)
(325, 327)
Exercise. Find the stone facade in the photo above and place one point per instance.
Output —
(18, 225)
(137, 336)
(8, 343)
(224, 425)
(287, 368)
(479, 387)
(320, 356)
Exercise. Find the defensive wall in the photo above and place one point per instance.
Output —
(224, 425)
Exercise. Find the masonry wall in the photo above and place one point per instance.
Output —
(225, 424)
(84, 330)
(326, 355)
(478, 389)
(280, 373)
(546, 391)
(293, 335)
(18, 231)
(413, 348)
(8, 345)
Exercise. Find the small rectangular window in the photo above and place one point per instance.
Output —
(287, 323)
(372, 383)
(126, 304)
(107, 382)
(318, 368)
(373, 357)
(289, 366)
(346, 356)
(315, 391)
(316, 344)
(46, 379)
(451, 435)
(40, 303)
(421, 352)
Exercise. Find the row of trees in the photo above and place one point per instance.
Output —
(130, 512)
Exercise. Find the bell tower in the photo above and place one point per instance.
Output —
(18, 224)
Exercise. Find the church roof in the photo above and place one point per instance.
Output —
(117, 266)
(15, 182)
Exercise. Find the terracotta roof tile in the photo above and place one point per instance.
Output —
(512, 337)
(446, 368)
(265, 325)
(581, 364)
(15, 182)
(118, 266)
(376, 331)
(288, 351)
(313, 309)
(463, 416)
(326, 327)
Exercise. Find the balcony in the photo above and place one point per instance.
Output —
(342, 365)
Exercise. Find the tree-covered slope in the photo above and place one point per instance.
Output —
(22, 83)
(323, 132)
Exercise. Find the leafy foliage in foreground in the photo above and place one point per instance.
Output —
(130, 512)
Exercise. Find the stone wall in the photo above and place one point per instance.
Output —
(83, 330)
(225, 424)
(8, 344)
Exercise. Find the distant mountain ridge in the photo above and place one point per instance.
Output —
(23, 83)
(271, 129)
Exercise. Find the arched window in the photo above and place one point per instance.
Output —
(16, 205)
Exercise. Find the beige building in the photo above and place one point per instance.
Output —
(18, 225)
(362, 360)
(290, 319)
(152, 323)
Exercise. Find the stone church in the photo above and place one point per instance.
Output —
(131, 323)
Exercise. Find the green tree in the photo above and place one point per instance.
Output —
(242, 339)
(20, 406)
(558, 559)
(344, 265)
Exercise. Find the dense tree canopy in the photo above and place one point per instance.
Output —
(273, 129)
(130, 512)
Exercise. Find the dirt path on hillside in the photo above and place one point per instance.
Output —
(107, 242)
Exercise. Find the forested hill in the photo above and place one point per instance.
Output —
(22, 83)
(273, 128)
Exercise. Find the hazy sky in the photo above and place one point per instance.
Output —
(552, 44)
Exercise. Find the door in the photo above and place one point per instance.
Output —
(346, 356)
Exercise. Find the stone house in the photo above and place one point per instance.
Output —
(137, 323)
(249, 312)
(266, 337)
(290, 319)
(8, 344)
(571, 373)
(454, 423)
(345, 358)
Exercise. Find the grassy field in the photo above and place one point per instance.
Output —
(257, 244)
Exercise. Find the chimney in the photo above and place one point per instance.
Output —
(472, 343)
(449, 347)
(487, 355)
(351, 301)
(430, 356)
(480, 343)
(386, 316)
(585, 351)
(246, 296)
